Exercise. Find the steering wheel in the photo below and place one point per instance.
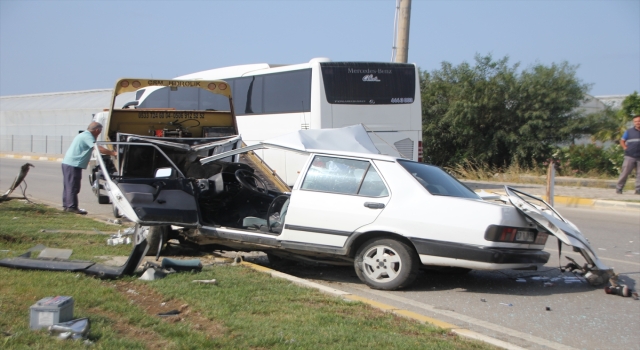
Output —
(281, 199)
(250, 181)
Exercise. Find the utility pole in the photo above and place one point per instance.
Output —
(404, 17)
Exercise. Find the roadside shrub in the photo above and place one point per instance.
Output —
(590, 160)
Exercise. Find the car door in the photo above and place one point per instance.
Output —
(335, 197)
(149, 188)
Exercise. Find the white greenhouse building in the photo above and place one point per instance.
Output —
(47, 123)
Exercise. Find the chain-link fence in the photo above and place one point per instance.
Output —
(35, 144)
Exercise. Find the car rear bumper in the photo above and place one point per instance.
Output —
(478, 254)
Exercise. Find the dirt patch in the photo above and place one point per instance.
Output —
(154, 303)
(7, 239)
(151, 339)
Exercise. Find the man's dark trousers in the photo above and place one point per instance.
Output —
(71, 177)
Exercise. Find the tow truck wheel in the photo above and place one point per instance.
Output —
(116, 212)
(154, 237)
(95, 186)
(387, 264)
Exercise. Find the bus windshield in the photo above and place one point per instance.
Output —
(368, 83)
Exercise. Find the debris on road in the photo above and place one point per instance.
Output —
(620, 289)
(182, 265)
(211, 281)
(74, 329)
(24, 170)
(151, 274)
(121, 238)
(169, 313)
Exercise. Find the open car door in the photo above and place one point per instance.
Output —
(149, 188)
(551, 221)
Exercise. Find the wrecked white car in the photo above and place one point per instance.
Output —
(387, 216)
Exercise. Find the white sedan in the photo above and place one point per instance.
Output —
(388, 216)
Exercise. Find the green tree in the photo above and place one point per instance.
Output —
(615, 122)
(491, 113)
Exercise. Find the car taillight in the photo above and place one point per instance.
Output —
(419, 151)
(514, 235)
(541, 238)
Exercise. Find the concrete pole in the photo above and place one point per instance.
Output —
(404, 17)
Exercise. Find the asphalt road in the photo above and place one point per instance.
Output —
(44, 184)
(507, 305)
(512, 305)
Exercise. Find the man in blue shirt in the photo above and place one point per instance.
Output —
(630, 141)
(76, 159)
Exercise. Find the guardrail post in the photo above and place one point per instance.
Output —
(46, 144)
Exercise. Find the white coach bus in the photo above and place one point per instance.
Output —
(272, 100)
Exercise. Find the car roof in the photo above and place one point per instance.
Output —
(352, 141)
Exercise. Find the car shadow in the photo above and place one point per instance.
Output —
(549, 281)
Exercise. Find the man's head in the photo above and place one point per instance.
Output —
(636, 121)
(95, 129)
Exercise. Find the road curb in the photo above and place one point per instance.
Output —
(575, 202)
(36, 157)
(462, 332)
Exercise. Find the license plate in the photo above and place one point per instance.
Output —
(525, 236)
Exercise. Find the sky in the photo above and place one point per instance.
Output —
(55, 46)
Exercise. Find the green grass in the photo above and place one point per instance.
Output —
(246, 310)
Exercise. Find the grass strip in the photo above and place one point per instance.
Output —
(245, 310)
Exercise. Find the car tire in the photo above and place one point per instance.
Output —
(157, 233)
(386, 264)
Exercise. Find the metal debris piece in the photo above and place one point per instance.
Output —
(182, 265)
(152, 274)
(55, 253)
(505, 304)
(169, 313)
(121, 238)
(74, 329)
(212, 281)
(24, 170)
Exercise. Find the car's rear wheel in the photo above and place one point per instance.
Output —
(157, 235)
(387, 264)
